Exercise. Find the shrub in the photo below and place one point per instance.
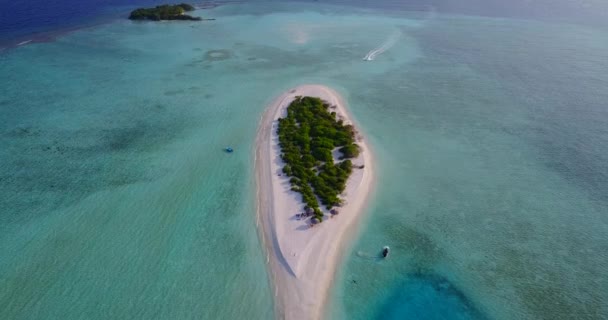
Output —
(287, 170)
(307, 136)
(163, 12)
(350, 151)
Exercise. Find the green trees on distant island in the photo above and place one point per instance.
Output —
(164, 12)
(307, 137)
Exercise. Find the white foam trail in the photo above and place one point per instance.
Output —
(389, 43)
(366, 256)
(23, 42)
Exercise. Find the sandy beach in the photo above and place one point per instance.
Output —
(303, 260)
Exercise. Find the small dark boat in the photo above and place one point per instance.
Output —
(385, 251)
(229, 150)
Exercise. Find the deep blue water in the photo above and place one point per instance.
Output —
(21, 20)
(426, 297)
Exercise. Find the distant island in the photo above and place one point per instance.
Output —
(164, 12)
(308, 136)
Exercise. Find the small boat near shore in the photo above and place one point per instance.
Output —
(385, 251)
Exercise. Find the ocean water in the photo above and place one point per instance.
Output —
(493, 189)
(43, 20)
(490, 135)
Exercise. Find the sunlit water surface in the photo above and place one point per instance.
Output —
(490, 136)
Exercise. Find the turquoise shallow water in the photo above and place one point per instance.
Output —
(117, 200)
(493, 148)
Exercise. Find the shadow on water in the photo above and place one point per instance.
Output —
(426, 296)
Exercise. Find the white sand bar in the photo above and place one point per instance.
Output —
(303, 260)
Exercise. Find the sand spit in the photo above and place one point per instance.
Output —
(303, 260)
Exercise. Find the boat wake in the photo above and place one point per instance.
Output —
(389, 43)
(370, 257)
(23, 43)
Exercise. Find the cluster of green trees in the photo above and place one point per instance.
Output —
(164, 12)
(307, 136)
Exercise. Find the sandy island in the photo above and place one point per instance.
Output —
(303, 260)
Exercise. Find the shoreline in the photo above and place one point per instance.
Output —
(302, 261)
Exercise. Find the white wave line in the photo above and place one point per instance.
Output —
(389, 43)
(23, 43)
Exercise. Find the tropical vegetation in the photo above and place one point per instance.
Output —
(164, 12)
(307, 137)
